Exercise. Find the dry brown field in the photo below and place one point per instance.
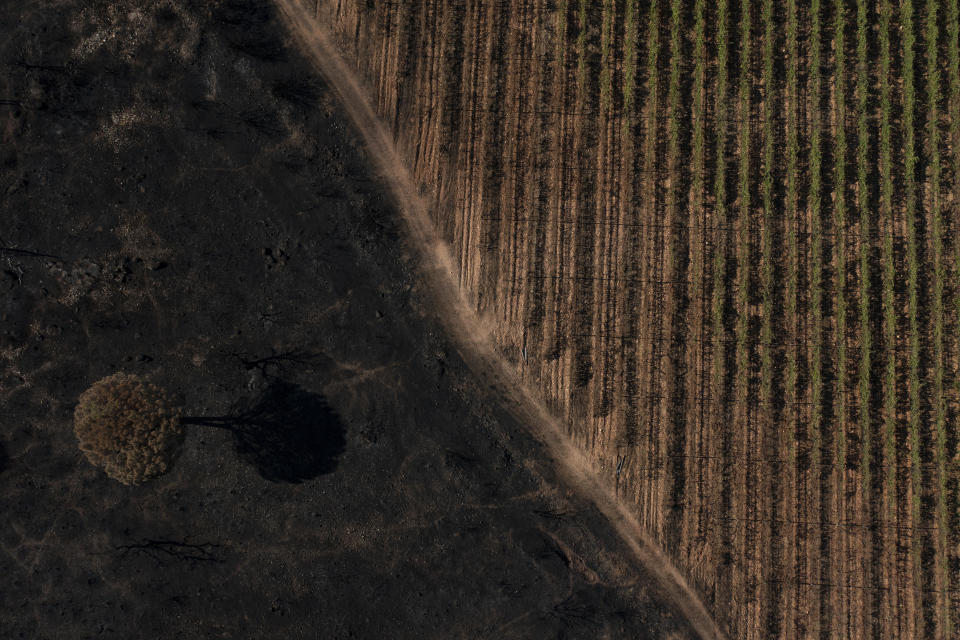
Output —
(720, 239)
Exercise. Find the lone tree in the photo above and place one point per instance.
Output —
(128, 427)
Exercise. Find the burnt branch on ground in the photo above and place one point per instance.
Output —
(553, 514)
(163, 549)
(13, 251)
(275, 365)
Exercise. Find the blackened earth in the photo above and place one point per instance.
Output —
(181, 200)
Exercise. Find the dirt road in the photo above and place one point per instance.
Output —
(470, 331)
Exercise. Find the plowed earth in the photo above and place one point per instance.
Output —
(719, 241)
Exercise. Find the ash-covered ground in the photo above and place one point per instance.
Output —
(182, 200)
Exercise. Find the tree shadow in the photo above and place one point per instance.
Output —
(4, 459)
(288, 434)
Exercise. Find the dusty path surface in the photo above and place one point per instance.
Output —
(470, 331)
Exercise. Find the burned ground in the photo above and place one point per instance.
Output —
(183, 201)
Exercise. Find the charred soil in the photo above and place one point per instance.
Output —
(182, 200)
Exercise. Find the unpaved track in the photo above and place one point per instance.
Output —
(471, 333)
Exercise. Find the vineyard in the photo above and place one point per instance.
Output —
(722, 241)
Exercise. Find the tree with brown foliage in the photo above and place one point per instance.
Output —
(128, 427)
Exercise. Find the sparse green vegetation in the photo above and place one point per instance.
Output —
(863, 205)
(743, 215)
(816, 247)
(605, 43)
(766, 240)
(793, 247)
(582, 45)
(840, 226)
(720, 233)
(840, 488)
(673, 220)
(910, 161)
(889, 310)
(629, 66)
(939, 401)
